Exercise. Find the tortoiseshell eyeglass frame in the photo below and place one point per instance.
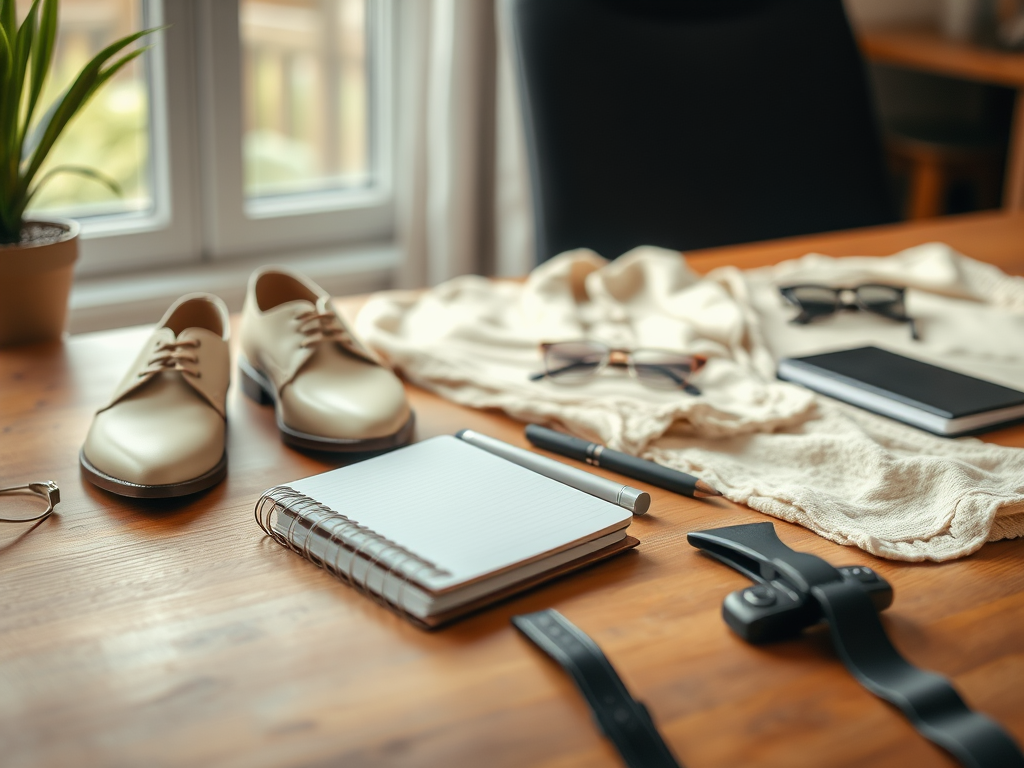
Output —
(595, 356)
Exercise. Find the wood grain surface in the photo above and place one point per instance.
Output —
(927, 50)
(174, 634)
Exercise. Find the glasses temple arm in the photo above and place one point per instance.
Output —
(663, 369)
(542, 374)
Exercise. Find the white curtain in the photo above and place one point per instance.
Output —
(462, 187)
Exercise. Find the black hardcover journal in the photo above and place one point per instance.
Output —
(935, 399)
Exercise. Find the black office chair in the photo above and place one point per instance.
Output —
(694, 123)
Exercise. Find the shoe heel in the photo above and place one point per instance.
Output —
(253, 389)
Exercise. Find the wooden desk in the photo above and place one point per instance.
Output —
(174, 634)
(927, 50)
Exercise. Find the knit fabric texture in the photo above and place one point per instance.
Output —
(851, 476)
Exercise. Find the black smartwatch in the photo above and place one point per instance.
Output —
(795, 590)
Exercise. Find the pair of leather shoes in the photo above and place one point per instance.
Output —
(163, 433)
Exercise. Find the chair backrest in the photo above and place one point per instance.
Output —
(694, 123)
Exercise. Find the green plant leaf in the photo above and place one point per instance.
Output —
(26, 57)
(6, 59)
(9, 174)
(11, 92)
(31, 143)
(117, 66)
(22, 52)
(36, 138)
(88, 80)
(23, 196)
(9, 18)
(42, 56)
(78, 170)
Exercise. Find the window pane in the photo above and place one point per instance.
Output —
(111, 134)
(306, 107)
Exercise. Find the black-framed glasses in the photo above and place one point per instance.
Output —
(46, 489)
(818, 301)
(575, 361)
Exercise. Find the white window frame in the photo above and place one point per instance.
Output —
(200, 212)
(168, 234)
(235, 226)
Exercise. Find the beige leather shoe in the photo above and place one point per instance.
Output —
(163, 432)
(330, 392)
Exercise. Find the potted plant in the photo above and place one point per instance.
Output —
(37, 257)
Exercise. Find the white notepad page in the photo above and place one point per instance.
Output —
(465, 510)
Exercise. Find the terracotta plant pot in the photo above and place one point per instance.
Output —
(35, 280)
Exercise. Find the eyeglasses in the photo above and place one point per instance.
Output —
(576, 361)
(47, 490)
(816, 301)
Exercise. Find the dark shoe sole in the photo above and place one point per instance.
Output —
(257, 387)
(136, 491)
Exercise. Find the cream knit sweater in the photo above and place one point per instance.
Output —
(852, 477)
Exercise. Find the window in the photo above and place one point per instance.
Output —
(306, 112)
(251, 127)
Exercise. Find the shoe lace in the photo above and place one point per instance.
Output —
(172, 356)
(317, 326)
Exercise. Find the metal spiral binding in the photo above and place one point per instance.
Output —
(342, 534)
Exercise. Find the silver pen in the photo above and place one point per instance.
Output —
(627, 497)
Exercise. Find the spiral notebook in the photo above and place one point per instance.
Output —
(441, 528)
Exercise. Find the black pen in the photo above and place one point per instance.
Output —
(623, 463)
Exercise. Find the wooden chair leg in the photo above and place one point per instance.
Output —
(927, 190)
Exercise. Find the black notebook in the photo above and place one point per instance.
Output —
(929, 397)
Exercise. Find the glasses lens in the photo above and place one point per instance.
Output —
(574, 360)
(662, 369)
(883, 299)
(814, 300)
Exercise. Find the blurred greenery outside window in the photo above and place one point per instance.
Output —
(112, 133)
(305, 105)
(305, 96)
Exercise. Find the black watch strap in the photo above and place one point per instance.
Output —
(843, 597)
(928, 700)
(621, 718)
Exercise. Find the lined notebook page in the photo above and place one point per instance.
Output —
(469, 512)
